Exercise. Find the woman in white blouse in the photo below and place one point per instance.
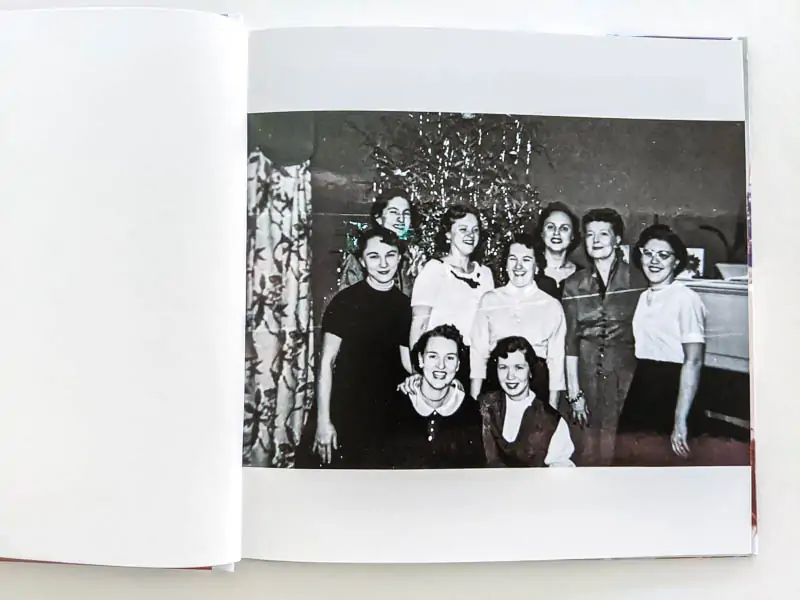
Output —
(669, 333)
(448, 288)
(520, 428)
(520, 308)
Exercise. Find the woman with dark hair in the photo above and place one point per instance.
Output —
(364, 357)
(519, 425)
(669, 329)
(599, 303)
(519, 308)
(449, 288)
(557, 234)
(393, 210)
(434, 424)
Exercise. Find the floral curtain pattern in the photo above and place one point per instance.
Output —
(279, 369)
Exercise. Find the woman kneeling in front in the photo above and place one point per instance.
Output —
(519, 425)
(434, 423)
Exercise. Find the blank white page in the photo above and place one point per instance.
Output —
(122, 236)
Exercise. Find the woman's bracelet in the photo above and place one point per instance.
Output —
(576, 398)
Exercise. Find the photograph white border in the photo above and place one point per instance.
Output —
(504, 514)
(451, 70)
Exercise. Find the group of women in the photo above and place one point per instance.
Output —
(554, 365)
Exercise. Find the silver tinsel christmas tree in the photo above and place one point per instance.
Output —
(480, 159)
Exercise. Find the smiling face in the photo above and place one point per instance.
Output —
(380, 261)
(520, 265)
(464, 235)
(514, 374)
(600, 240)
(396, 216)
(439, 362)
(557, 231)
(658, 262)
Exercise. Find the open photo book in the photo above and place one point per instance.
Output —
(370, 295)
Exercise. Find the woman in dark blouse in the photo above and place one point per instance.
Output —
(519, 425)
(557, 235)
(599, 304)
(364, 357)
(433, 423)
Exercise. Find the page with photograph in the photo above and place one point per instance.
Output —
(490, 315)
(123, 274)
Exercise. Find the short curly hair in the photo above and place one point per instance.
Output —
(453, 213)
(387, 236)
(448, 332)
(539, 375)
(665, 234)
(605, 215)
(529, 241)
(383, 199)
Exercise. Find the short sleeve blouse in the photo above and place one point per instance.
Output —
(453, 297)
(665, 320)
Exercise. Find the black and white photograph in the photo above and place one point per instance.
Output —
(468, 291)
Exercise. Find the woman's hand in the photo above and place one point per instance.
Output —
(410, 384)
(680, 445)
(580, 412)
(325, 441)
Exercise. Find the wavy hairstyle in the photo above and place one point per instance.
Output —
(665, 234)
(382, 200)
(549, 210)
(539, 375)
(388, 237)
(453, 213)
(529, 241)
(448, 332)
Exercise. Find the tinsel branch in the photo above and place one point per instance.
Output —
(441, 158)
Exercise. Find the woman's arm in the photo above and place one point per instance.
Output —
(405, 358)
(325, 438)
(420, 317)
(480, 336)
(423, 298)
(573, 383)
(556, 359)
(690, 378)
(475, 385)
(571, 349)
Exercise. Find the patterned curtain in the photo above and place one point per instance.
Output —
(279, 379)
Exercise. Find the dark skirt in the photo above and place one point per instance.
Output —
(359, 430)
(650, 403)
(648, 418)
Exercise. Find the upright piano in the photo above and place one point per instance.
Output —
(723, 401)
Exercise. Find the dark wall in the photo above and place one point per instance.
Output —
(685, 174)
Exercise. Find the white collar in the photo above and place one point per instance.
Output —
(452, 402)
(513, 290)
